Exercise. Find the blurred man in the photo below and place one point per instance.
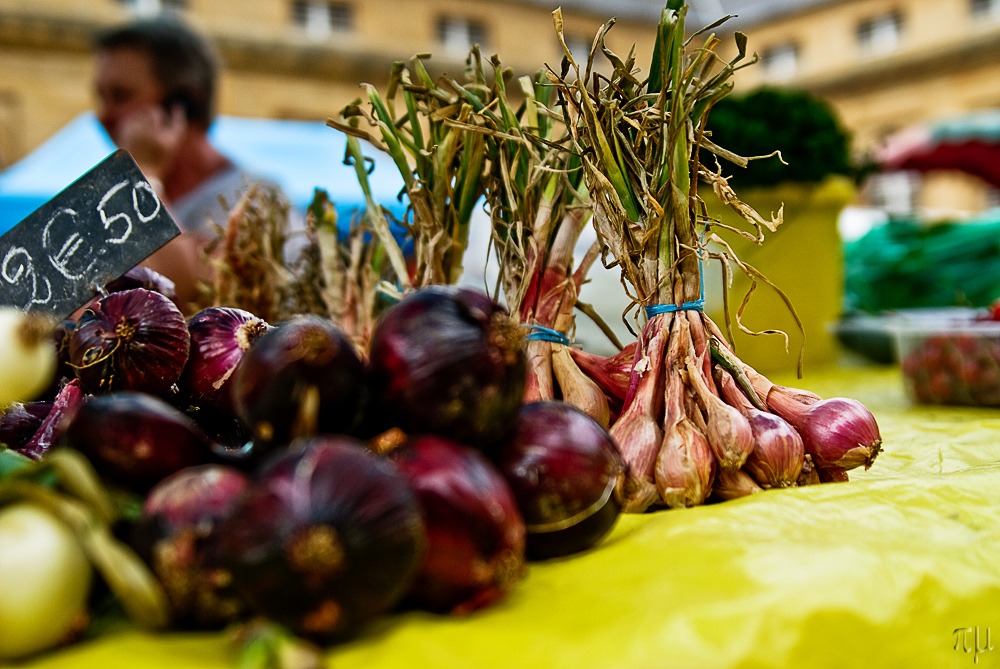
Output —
(155, 83)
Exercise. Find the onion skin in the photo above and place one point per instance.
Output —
(327, 538)
(302, 378)
(563, 468)
(44, 581)
(20, 421)
(220, 336)
(449, 362)
(176, 538)
(134, 439)
(131, 340)
(56, 421)
(143, 277)
(475, 532)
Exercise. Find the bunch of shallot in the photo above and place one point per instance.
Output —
(687, 430)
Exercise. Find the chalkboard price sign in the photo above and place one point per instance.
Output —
(96, 229)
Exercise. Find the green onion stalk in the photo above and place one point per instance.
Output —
(641, 143)
(539, 207)
(418, 122)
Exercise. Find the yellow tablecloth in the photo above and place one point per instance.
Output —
(893, 569)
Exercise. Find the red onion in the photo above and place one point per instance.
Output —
(132, 340)
(56, 421)
(175, 536)
(838, 432)
(302, 378)
(143, 277)
(326, 539)
(136, 440)
(563, 468)
(475, 531)
(450, 362)
(220, 336)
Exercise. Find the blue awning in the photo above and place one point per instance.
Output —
(298, 155)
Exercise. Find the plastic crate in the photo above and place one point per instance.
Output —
(951, 362)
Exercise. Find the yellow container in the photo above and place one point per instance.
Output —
(804, 258)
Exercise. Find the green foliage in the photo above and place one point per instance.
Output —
(802, 127)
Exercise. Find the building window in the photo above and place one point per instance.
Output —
(153, 7)
(880, 34)
(982, 8)
(780, 61)
(458, 34)
(321, 19)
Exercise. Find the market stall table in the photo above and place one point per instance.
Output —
(899, 567)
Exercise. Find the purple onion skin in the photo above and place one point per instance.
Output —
(449, 362)
(220, 336)
(131, 340)
(327, 538)
(176, 536)
(136, 440)
(475, 532)
(562, 466)
(302, 378)
(20, 421)
(50, 432)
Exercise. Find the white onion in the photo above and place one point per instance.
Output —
(44, 580)
(28, 357)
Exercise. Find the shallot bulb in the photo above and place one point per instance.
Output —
(131, 340)
(685, 467)
(734, 484)
(777, 456)
(327, 538)
(778, 453)
(220, 336)
(610, 373)
(577, 388)
(838, 432)
(637, 432)
(475, 531)
(449, 362)
(563, 468)
(28, 365)
(728, 432)
(175, 536)
(300, 379)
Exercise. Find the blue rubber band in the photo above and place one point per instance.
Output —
(695, 305)
(541, 333)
